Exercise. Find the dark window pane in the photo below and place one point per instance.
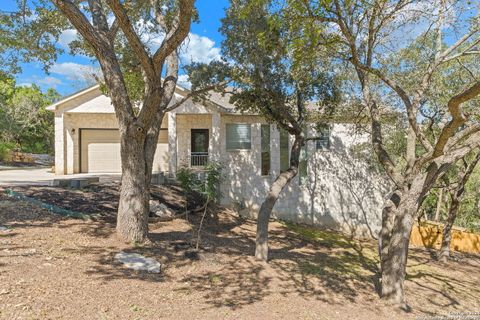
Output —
(284, 151)
(303, 165)
(265, 149)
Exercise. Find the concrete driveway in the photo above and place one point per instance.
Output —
(42, 176)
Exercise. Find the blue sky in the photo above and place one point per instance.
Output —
(68, 73)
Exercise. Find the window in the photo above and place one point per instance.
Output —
(199, 147)
(284, 151)
(303, 165)
(324, 133)
(239, 136)
(265, 147)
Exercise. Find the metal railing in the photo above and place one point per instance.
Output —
(198, 159)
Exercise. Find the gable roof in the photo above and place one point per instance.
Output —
(92, 100)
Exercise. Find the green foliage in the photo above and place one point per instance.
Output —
(30, 34)
(24, 120)
(209, 187)
(5, 149)
(272, 61)
(214, 177)
(468, 215)
(187, 179)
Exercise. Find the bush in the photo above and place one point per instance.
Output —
(37, 147)
(5, 149)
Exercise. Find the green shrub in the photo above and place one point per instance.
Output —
(37, 147)
(5, 149)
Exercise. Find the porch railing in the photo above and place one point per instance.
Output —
(198, 159)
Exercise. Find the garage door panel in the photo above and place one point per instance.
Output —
(100, 152)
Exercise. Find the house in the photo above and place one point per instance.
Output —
(333, 188)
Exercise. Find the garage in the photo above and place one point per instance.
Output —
(100, 151)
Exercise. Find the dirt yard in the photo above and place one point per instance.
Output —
(60, 268)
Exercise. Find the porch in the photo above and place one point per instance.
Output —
(193, 140)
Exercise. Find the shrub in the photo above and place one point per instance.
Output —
(5, 149)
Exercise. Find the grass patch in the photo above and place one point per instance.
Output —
(344, 257)
(326, 238)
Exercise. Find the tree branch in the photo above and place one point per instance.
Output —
(194, 93)
(105, 54)
(458, 118)
(133, 39)
(176, 35)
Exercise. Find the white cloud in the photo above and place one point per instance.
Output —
(25, 84)
(184, 82)
(199, 49)
(66, 37)
(50, 81)
(195, 48)
(72, 70)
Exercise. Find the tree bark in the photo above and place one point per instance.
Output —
(456, 198)
(133, 208)
(447, 229)
(439, 204)
(394, 249)
(261, 242)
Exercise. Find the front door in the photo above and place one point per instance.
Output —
(199, 153)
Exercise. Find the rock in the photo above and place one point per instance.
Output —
(192, 254)
(4, 229)
(161, 210)
(138, 262)
(154, 205)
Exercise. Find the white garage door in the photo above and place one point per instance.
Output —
(100, 151)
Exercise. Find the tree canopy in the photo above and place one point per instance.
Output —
(24, 122)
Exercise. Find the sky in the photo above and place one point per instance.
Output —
(67, 75)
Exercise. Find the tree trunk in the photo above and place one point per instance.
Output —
(396, 229)
(138, 147)
(447, 229)
(133, 208)
(456, 198)
(439, 204)
(261, 242)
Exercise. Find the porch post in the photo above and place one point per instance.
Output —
(172, 144)
(214, 148)
(59, 144)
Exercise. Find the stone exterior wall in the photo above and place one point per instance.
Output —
(339, 191)
(185, 123)
(69, 125)
(73, 122)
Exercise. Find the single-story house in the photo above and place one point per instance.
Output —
(333, 188)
